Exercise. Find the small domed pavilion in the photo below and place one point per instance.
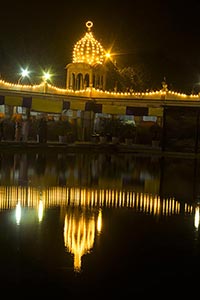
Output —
(87, 68)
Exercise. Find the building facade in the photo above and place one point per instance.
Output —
(85, 101)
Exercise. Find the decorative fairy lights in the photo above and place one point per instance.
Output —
(96, 92)
(88, 49)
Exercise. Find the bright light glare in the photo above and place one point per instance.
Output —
(196, 218)
(18, 213)
(25, 72)
(46, 76)
(108, 55)
(40, 210)
(99, 221)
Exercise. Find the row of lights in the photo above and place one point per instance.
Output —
(47, 76)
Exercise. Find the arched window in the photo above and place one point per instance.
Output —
(72, 82)
(86, 80)
(79, 82)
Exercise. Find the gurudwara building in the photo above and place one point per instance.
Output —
(85, 100)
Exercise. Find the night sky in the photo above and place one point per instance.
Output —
(163, 36)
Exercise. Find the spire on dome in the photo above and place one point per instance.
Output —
(88, 49)
(89, 25)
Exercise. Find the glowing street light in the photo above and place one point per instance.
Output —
(24, 73)
(46, 76)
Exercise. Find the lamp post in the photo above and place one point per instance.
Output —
(46, 76)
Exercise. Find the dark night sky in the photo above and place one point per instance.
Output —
(162, 35)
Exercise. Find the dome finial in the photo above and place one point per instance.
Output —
(89, 25)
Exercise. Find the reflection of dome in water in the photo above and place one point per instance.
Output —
(79, 234)
(87, 49)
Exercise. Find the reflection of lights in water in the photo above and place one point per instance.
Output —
(79, 230)
(89, 197)
(79, 234)
(18, 213)
(196, 218)
(40, 210)
(99, 221)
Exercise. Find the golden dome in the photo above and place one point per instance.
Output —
(88, 50)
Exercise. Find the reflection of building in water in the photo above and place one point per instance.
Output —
(80, 207)
(74, 170)
(79, 233)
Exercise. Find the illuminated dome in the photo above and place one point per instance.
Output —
(88, 50)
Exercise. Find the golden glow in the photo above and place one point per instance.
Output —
(156, 95)
(80, 224)
(196, 217)
(88, 197)
(107, 55)
(88, 49)
(79, 234)
(99, 221)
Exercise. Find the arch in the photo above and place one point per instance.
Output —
(79, 81)
(72, 81)
(98, 84)
(93, 80)
(86, 80)
(102, 85)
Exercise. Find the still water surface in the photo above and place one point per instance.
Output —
(96, 225)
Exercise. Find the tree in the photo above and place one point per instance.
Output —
(135, 78)
(127, 78)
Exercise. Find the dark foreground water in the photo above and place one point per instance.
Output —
(98, 226)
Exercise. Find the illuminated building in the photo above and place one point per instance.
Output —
(85, 98)
(87, 69)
